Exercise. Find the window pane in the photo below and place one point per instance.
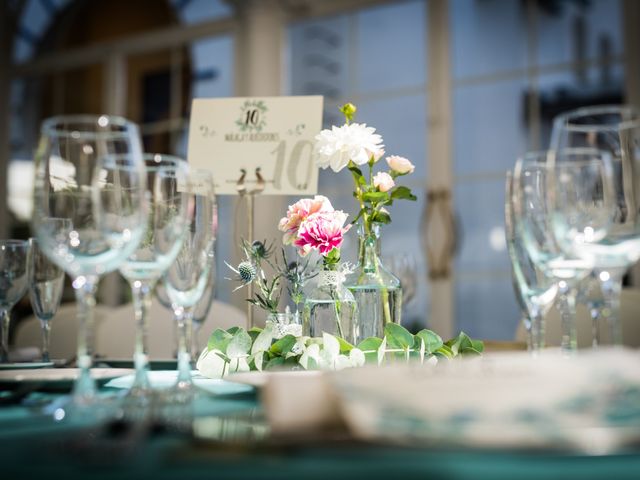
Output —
(480, 208)
(196, 11)
(489, 131)
(578, 31)
(486, 307)
(487, 36)
(391, 47)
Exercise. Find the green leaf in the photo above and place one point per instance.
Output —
(375, 197)
(459, 343)
(432, 341)
(398, 336)
(240, 344)
(370, 346)
(254, 332)
(345, 347)
(274, 363)
(402, 193)
(444, 351)
(360, 213)
(381, 217)
(219, 340)
(233, 330)
(470, 352)
(283, 346)
(478, 345)
(353, 168)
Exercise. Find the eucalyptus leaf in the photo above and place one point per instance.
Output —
(263, 340)
(431, 339)
(331, 344)
(370, 346)
(274, 363)
(219, 340)
(283, 346)
(345, 347)
(240, 344)
(381, 217)
(397, 336)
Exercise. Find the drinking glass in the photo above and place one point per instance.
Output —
(186, 279)
(46, 281)
(88, 170)
(201, 311)
(13, 285)
(531, 209)
(166, 226)
(534, 290)
(616, 130)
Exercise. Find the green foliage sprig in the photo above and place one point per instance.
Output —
(236, 350)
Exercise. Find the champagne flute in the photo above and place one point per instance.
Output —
(532, 210)
(616, 130)
(13, 285)
(166, 227)
(46, 281)
(89, 170)
(534, 290)
(186, 279)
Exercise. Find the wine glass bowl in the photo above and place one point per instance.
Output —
(46, 282)
(13, 285)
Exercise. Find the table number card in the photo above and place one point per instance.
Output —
(273, 134)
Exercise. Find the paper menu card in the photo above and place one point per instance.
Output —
(274, 134)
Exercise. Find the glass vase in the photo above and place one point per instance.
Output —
(376, 290)
(329, 307)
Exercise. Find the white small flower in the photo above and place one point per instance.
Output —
(400, 164)
(383, 181)
(334, 148)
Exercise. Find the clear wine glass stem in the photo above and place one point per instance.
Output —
(84, 389)
(611, 284)
(537, 331)
(184, 318)
(141, 292)
(567, 306)
(595, 307)
(5, 320)
(46, 331)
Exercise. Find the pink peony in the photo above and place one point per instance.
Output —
(383, 181)
(322, 231)
(298, 213)
(400, 164)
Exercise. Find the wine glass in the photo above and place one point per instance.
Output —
(46, 281)
(532, 211)
(13, 285)
(88, 170)
(166, 227)
(186, 279)
(534, 290)
(616, 130)
(201, 311)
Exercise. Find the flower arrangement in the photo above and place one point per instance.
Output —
(354, 145)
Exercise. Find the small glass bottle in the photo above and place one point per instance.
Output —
(329, 307)
(376, 290)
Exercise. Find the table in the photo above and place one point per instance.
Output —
(34, 446)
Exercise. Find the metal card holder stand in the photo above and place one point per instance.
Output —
(241, 188)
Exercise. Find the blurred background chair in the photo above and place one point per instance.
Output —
(64, 331)
(629, 310)
(115, 337)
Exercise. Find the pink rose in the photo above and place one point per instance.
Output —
(298, 213)
(400, 164)
(383, 181)
(322, 231)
